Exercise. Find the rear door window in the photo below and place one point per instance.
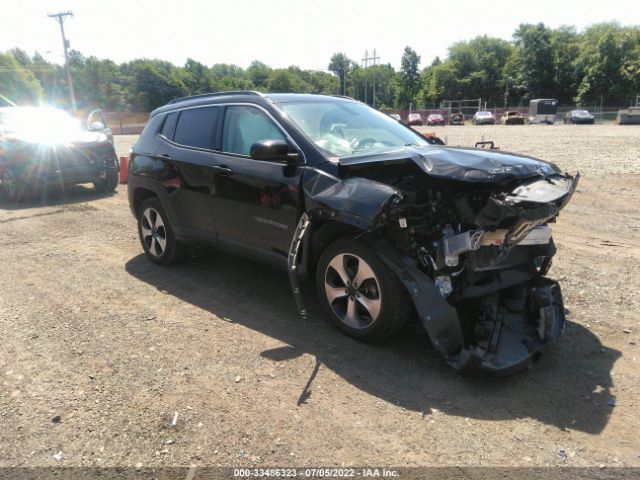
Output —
(244, 126)
(197, 127)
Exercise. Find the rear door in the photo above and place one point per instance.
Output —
(256, 202)
(189, 137)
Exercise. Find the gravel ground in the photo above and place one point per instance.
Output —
(101, 349)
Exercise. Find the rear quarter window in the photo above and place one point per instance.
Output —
(148, 142)
(168, 125)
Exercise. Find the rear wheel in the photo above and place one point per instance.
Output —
(156, 235)
(359, 293)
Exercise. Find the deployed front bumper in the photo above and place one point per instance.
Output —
(524, 313)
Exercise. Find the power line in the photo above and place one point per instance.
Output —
(60, 17)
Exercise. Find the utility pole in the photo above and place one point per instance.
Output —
(60, 17)
(366, 60)
(506, 91)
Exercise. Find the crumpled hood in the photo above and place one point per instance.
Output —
(461, 164)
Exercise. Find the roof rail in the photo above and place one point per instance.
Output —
(9, 102)
(344, 96)
(217, 94)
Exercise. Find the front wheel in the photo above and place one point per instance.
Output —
(107, 184)
(9, 184)
(359, 293)
(156, 235)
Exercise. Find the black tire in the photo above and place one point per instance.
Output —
(383, 292)
(10, 186)
(157, 238)
(109, 183)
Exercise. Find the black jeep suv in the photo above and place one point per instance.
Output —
(388, 222)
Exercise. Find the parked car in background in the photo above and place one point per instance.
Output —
(483, 117)
(542, 110)
(512, 117)
(456, 119)
(435, 119)
(628, 116)
(387, 223)
(414, 119)
(577, 117)
(395, 116)
(44, 146)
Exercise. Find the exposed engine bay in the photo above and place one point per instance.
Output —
(471, 245)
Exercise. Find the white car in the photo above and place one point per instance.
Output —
(483, 117)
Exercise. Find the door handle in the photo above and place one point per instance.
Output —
(164, 156)
(222, 170)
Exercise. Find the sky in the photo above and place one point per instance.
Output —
(283, 32)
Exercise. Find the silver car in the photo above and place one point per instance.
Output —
(483, 117)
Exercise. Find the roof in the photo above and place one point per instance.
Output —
(246, 95)
(304, 97)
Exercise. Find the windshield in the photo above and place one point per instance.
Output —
(37, 122)
(483, 114)
(581, 113)
(346, 128)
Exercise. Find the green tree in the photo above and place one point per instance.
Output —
(18, 83)
(259, 74)
(409, 80)
(341, 65)
(565, 45)
(151, 83)
(197, 78)
(534, 72)
(97, 82)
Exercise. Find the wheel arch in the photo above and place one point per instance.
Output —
(322, 235)
(140, 194)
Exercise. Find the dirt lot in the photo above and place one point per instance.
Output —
(114, 346)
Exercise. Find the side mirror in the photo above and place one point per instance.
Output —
(273, 151)
(96, 127)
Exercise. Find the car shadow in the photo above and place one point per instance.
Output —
(56, 196)
(568, 388)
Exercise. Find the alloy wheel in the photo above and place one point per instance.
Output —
(154, 233)
(353, 291)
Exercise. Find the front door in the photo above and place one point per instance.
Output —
(256, 202)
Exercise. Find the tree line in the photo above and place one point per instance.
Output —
(600, 63)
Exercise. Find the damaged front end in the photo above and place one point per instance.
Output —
(467, 232)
